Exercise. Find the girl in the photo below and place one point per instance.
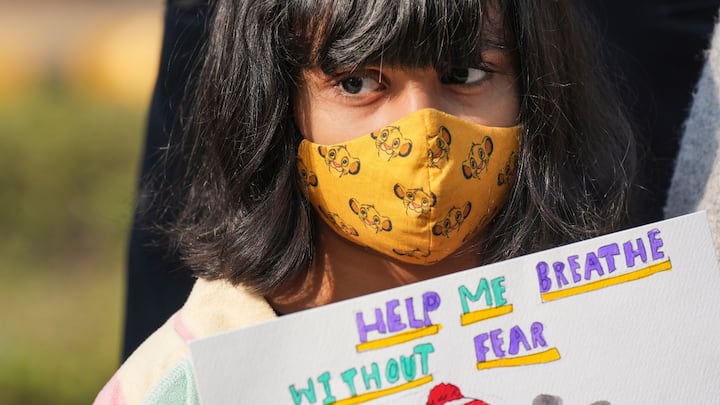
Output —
(341, 147)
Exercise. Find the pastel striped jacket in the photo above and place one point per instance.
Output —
(160, 371)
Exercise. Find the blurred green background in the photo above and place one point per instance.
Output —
(75, 84)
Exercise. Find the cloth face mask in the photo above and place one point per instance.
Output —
(415, 190)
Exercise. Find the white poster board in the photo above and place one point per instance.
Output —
(628, 318)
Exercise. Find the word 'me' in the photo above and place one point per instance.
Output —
(493, 291)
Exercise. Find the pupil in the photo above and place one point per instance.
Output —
(458, 75)
(352, 85)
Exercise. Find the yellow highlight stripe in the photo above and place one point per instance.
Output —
(387, 391)
(543, 357)
(483, 314)
(608, 282)
(399, 338)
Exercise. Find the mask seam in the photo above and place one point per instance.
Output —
(430, 246)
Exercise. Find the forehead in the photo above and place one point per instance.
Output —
(344, 34)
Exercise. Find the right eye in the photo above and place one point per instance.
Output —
(356, 85)
(463, 76)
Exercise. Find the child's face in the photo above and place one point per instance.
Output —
(331, 109)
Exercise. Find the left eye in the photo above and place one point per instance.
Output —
(359, 85)
(463, 76)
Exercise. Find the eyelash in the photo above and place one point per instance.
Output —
(377, 76)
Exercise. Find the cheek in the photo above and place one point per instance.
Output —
(498, 106)
(505, 106)
(324, 121)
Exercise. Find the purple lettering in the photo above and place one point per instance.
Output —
(496, 342)
(394, 324)
(364, 328)
(536, 333)
(543, 280)
(608, 252)
(655, 244)
(631, 253)
(574, 266)
(412, 321)
(480, 348)
(517, 336)
(431, 302)
(558, 267)
(592, 263)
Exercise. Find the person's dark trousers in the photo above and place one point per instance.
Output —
(657, 46)
(157, 281)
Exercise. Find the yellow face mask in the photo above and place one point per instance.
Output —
(415, 190)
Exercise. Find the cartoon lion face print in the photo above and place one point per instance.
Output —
(439, 147)
(478, 158)
(391, 143)
(508, 173)
(416, 252)
(370, 216)
(339, 223)
(453, 220)
(417, 201)
(307, 177)
(483, 221)
(339, 160)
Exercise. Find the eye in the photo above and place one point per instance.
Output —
(345, 161)
(359, 85)
(425, 201)
(331, 155)
(384, 135)
(447, 223)
(410, 196)
(396, 143)
(440, 143)
(459, 75)
(376, 219)
(473, 164)
(363, 212)
(458, 216)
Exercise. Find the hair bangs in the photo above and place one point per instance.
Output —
(346, 34)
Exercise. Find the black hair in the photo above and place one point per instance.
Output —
(245, 218)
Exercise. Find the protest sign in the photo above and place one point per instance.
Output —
(627, 318)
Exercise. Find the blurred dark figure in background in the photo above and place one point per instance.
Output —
(655, 46)
(157, 280)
